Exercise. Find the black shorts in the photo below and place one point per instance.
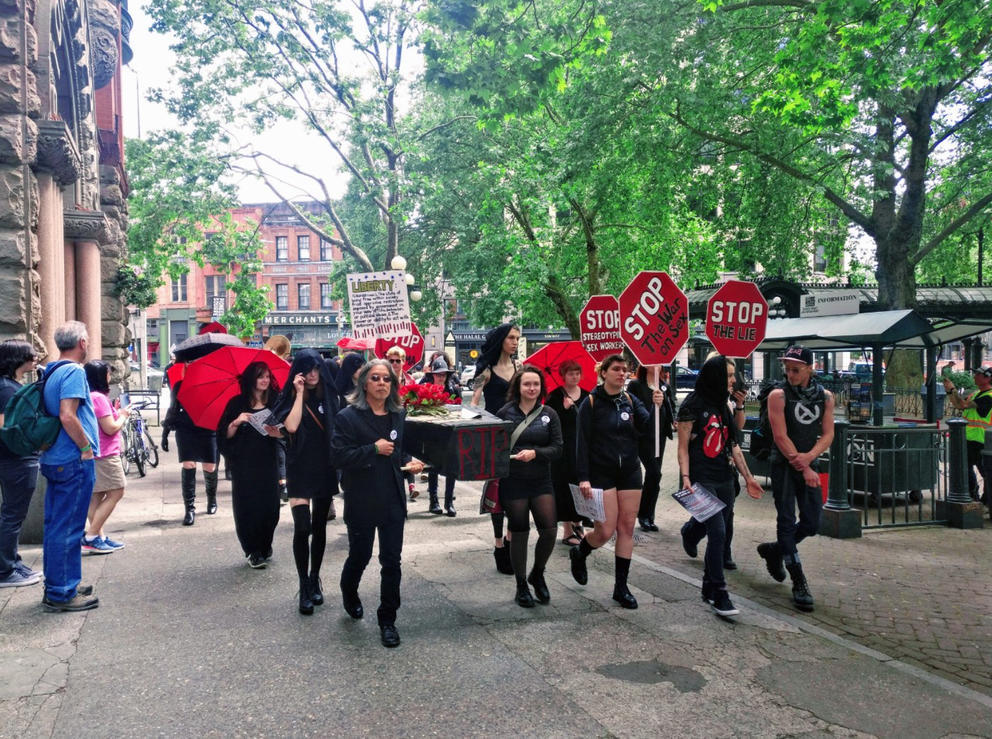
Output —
(512, 488)
(621, 477)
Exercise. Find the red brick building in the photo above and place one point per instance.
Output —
(297, 269)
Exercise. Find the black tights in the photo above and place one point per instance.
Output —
(310, 536)
(542, 507)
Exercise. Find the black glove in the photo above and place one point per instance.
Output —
(165, 441)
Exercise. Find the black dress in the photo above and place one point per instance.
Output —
(494, 391)
(563, 469)
(254, 479)
(309, 473)
(194, 444)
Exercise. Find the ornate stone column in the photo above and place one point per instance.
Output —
(69, 271)
(58, 164)
(88, 229)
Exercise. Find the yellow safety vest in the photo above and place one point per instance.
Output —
(976, 423)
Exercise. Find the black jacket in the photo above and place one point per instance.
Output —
(543, 435)
(177, 419)
(605, 439)
(362, 470)
(643, 393)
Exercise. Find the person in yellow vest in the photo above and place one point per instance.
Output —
(976, 409)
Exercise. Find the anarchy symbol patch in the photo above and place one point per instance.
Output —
(807, 415)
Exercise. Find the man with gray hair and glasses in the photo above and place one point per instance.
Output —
(69, 468)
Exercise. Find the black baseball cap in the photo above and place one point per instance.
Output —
(796, 353)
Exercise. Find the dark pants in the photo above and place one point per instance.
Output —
(714, 529)
(67, 500)
(449, 487)
(974, 460)
(361, 535)
(18, 480)
(791, 491)
(987, 480)
(652, 479)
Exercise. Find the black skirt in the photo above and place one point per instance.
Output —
(199, 445)
(513, 488)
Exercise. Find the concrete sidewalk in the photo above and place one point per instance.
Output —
(189, 641)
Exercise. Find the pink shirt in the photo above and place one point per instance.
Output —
(109, 445)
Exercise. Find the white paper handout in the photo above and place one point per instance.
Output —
(699, 501)
(260, 419)
(589, 507)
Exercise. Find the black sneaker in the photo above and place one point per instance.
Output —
(77, 603)
(579, 570)
(691, 549)
(721, 604)
(256, 561)
(773, 560)
(389, 635)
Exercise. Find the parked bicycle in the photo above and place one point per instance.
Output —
(138, 446)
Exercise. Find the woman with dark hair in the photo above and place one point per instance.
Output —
(196, 445)
(345, 380)
(281, 347)
(707, 443)
(609, 426)
(527, 491)
(368, 447)
(18, 475)
(109, 486)
(254, 462)
(565, 400)
(439, 373)
(493, 371)
(642, 388)
(307, 407)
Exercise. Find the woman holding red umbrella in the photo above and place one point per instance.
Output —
(196, 445)
(307, 407)
(254, 463)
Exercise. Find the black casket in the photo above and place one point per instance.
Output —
(462, 448)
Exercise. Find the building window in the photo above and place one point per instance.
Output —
(216, 294)
(326, 251)
(282, 248)
(282, 296)
(303, 248)
(325, 295)
(303, 296)
(179, 291)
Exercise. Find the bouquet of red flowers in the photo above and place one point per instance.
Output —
(427, 400)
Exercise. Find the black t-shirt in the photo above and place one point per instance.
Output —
(713, 435)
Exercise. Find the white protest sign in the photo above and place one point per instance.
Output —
(379, 305)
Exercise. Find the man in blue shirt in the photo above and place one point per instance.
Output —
(69, 468)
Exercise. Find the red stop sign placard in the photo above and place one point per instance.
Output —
(654, 318)
(735, 318)
(599, 323)
(413, 345)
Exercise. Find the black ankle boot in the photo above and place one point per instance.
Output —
(316, 591)
(189, 495)
(801, 596)
(502, 557)
(434, 506)
(210, 482)
(524, 598)
(770, 552)
(306, 602)
(541, 591)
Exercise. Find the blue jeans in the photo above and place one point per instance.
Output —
(18, 480)
(714, 529)
(449, 488)
(791, 492)
(67, 500)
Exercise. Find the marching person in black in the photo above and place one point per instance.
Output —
(707, 444)
(196, 445)
(368, 447)
(254, 463)
(611, 421)
(535, 442)
(307, 407)
(641, 388)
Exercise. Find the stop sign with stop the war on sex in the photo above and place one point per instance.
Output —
(654, 318)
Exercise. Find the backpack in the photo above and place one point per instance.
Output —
(27, 426)
(762, 440)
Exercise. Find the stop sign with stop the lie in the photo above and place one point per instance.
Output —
(736, 316)
(599, 324)
(654, 318)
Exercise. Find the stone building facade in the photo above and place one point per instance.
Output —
(63, 214)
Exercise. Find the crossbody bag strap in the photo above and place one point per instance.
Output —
(314, 416)
(522, 426)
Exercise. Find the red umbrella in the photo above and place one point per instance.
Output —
(213, 328)
(549, 358)
(175, 373)
(358, 345)
(211, 381)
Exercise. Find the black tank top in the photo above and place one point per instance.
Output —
(804, 417)
(494, 391)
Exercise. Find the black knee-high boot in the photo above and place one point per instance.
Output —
(518, 558)
(189, 495)
(621, 593)
(210, 483)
